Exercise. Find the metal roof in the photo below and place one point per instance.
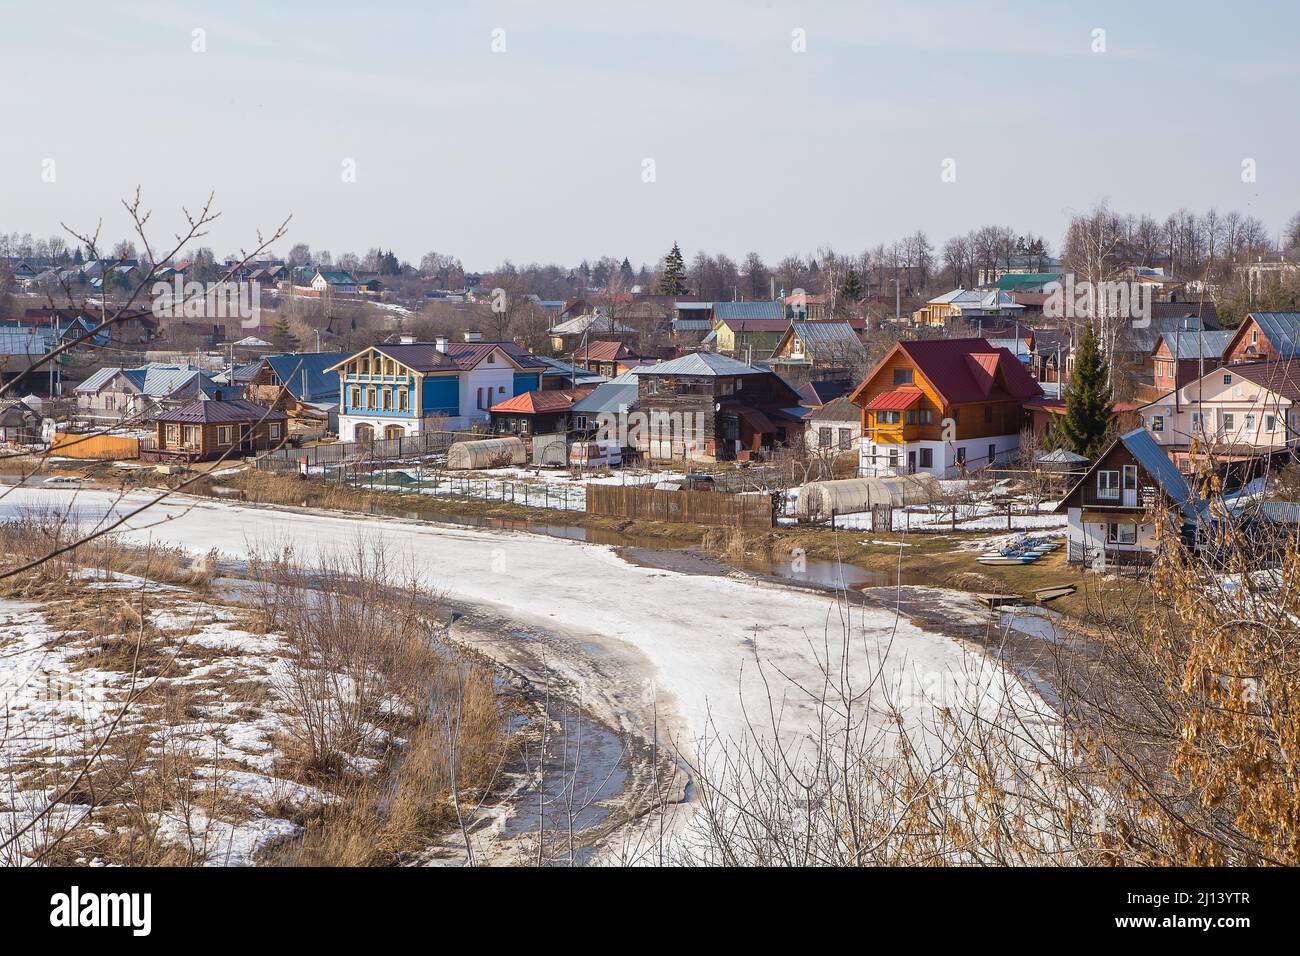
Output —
(306, 374)
(705, 364)
(211, 411)
(592, 322)
(1195, 345)
(829, 341)
(1158, 465)
(609, 398)
(1282, 329)
(748, 311)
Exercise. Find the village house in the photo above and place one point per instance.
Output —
(605, 411)
(969, 304)
(302, 384)
(1180, 357)
(1233, 410)
(570, 334)
(334, 283)
(828, 349)
(114, 394)
(748, 331)
(1265, 337)
(834, 429)
(20, 424)
(407, 388)
(942, 407)
(692, 321)
(541, 412)
(208, 429)
(609, 359)
(710, 407)
(1110, 509)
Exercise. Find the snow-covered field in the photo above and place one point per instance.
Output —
(650, 644)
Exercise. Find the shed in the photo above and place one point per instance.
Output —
(820, 500)
(486, 453)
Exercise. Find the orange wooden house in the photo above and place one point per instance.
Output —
(943, 407)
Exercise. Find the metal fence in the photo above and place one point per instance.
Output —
(695, 507)
(379, 450)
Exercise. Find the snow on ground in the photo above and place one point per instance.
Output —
(56, 709)
(686, 645)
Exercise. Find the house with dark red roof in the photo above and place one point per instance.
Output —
(537, 413)
(608, 358)
(404, 388)
(943, 407)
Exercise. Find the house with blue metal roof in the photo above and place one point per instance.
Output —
(1265, 337)
(1112, 511)
(115, 394)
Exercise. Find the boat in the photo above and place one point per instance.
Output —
(1008, 556)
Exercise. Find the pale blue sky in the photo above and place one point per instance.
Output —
(535, 154)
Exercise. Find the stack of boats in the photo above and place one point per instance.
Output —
(1022, 550)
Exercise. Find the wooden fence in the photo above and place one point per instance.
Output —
(694, 507)
(95, 446)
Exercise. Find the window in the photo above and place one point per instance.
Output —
(824, 437)
(275, 431)
(370, 396)
(893, 457)
(902, 376)
(492, 358)
(926, 457)
(1121, 533)
(1229, 421)
(224, 434)
(501, 389)
(988, 414)
(1198, 423)
(1157, 423)
(887, 418)
(1270, 423)
(1254, 336)
(961, 456)
(1108, 485)
(1227, 378)
(191, 436)
(479, 400)
(846, 438)
(173, 436)
(1250, 422)
(403, 399)
(918, 416)
(385, 399)
(356, 396)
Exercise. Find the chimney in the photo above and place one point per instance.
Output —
(406, 338)
(440, 343)
(473, 335)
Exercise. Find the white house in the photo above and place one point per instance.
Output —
(1250, 407)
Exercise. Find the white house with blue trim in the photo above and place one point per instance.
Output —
(404, 389)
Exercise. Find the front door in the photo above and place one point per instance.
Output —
(245, 438)
(1130, 486)
(911, 463)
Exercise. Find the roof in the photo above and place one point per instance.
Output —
(1196, 345)
(591, 322)
(823, 391)
(730, 312)
(963, 371)
(1013, 281)
(1280, 378)
(542, 402)
(896, 400)
(978, 299)
(307, 376)
(1156, 463)
(600, 351)
(1282, 329)
(203, 411)
(706, 364)
(158, 380)
(836, 410)
(98, 379)
(334, 277)
(829, 341)
(32, 342)
(555, 366)
(609, 398)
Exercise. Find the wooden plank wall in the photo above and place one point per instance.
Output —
(694, 507)
(95, 446)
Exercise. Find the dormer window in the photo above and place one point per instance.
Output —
(1227, 378)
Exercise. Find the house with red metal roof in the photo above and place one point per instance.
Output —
(943, 407)
(540, 412)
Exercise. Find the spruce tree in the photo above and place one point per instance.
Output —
(850, 290)
(1088, 400)
(673, 279)
(282, 338)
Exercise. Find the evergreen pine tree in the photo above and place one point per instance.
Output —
(1088, 400)
(673, 280)
(282, 338)
(850, 290)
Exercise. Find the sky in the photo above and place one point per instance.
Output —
(570, 129)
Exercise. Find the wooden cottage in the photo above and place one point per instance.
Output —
(207, 429)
